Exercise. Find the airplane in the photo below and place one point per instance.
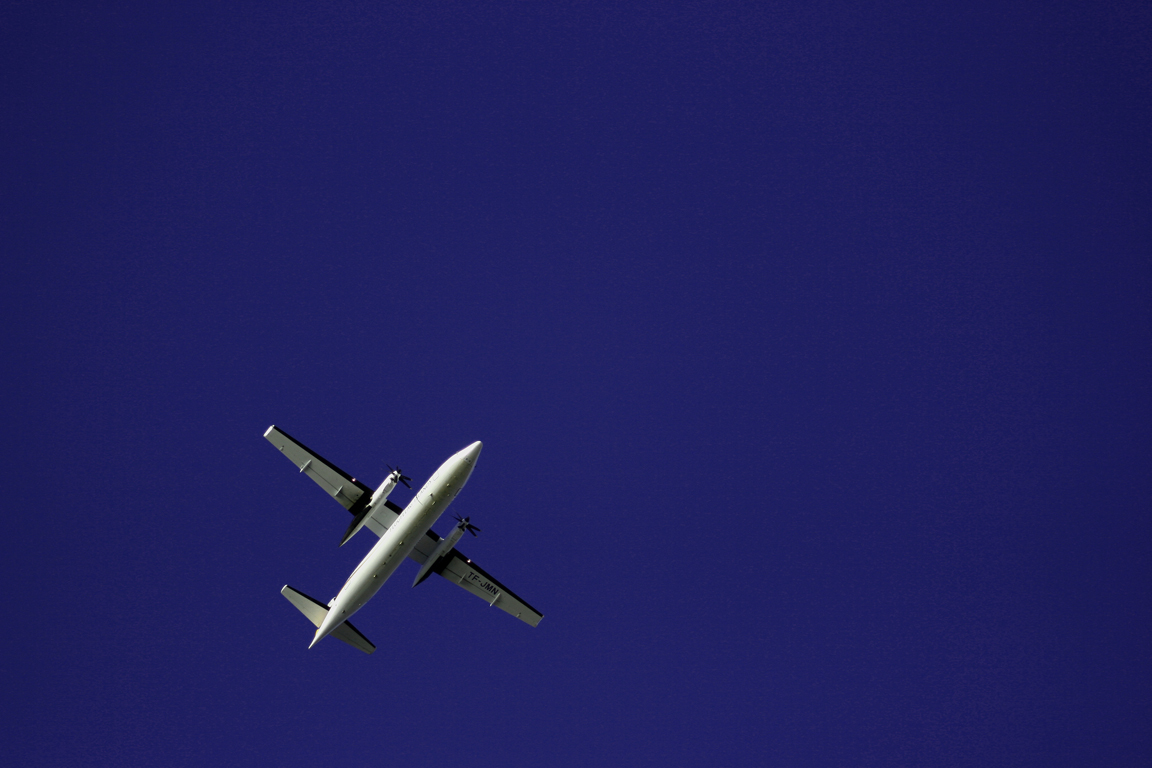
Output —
(403, 531)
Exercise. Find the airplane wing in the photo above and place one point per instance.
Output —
(335, 481)
(461, 571)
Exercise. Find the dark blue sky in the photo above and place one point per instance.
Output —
(810, 345)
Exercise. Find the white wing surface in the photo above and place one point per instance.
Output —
(335, 481)
(461, 571)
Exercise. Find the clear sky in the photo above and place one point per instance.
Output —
(810, 344)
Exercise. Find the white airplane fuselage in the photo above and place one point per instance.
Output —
(399, 540)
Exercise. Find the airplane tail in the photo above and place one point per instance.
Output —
(315, 611)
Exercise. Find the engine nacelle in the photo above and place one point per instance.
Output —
(379, 496)
(443, 547)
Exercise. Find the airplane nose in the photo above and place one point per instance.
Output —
(472, 451)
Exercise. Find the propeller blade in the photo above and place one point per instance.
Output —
(401, 476)
(467, 525)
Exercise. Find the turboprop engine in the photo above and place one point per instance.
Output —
(379, 496)
(444, 546)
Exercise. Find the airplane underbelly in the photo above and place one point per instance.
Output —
(392, 549)
(395, 546)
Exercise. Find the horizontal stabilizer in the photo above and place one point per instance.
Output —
(315, 611)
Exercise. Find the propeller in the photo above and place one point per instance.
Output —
(467, 525)
(400, 475)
